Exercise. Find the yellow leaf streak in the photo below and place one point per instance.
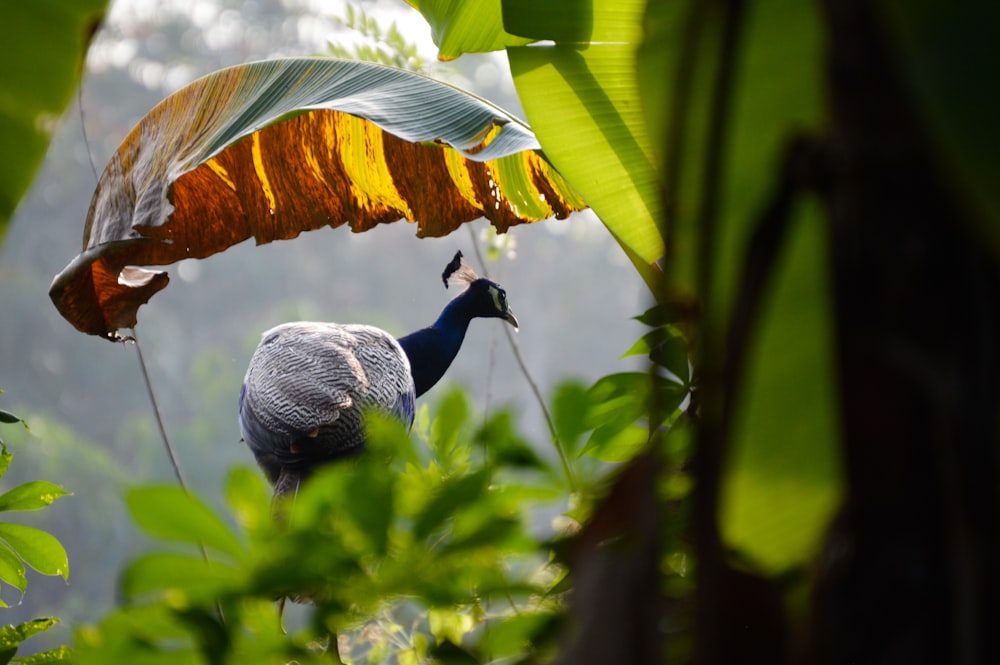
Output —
(258, 167)
(361, 152)
(219, 170)
(459, 172)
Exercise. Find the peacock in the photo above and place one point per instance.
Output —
(309, 384)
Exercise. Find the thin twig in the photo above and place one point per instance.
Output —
(169, 446)
(570, 479)
(156, 413)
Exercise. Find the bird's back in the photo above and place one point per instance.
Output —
(306, 389)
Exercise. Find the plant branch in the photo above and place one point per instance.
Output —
(536, 391)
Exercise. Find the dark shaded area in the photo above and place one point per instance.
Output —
(908, 571)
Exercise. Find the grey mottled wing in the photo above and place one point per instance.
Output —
(307, 386)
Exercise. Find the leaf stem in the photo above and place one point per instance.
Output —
(570, 479)
(156, 412)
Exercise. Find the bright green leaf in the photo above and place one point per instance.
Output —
(5, 458)
(11, 569)
(570, 406)
(11, 636)
(575, 21)
(581, 101)
(37, 78)
(31, 496)
(248, 497)
(465, 26)
(61, 654)
(171, 513)
(453, 494)
(450, 624)
(611, 444)
(36, 548)
(169, 573)
(369, 503)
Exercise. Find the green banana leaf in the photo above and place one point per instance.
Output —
(465, 26)
(581, 97)
(271, 149)
(44, 46)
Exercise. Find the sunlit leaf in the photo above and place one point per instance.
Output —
(61, 654)
(44, 45)
(12, 636)
(11, 569)
(270, 149)
(581, 100)
(569, 413)
(611, 444)
(465, 26)
(248, 497)
(453, 494)
(167, 572)
(575, 21)
(31, 496)
(171, 513)
(36, 548)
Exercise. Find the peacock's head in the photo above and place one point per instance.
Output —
(488, 299)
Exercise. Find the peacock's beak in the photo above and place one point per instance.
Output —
(509, 317)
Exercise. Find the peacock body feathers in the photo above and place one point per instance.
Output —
(309, 384)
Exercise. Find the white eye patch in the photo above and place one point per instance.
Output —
(496, 298)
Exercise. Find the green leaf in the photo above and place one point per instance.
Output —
(662, 314)
(170, 573)
(8, 417)
(248, 497)
(44, 45)
(465, 26)
(36, 548)
(61, 654)
(575, 21)
(11, 569)
(570, 406)
(504, 446)
(273, 148)
(613, 444)
(170, 513)
(31, 496)
(5, 458)
(581, 102)
(369, 503)
(453, 494)
(449, 421)
(12, 636)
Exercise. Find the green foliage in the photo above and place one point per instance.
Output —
(384, 45)
(23, 545)
(37, 79)
(428, 546)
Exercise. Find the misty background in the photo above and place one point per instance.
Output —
(92, 428)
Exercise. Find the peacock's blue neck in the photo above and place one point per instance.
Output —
(430, 350)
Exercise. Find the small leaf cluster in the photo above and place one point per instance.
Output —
(438, 544)
(22, 546)
(386, 46)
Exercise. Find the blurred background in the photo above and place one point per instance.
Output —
(92, 428)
